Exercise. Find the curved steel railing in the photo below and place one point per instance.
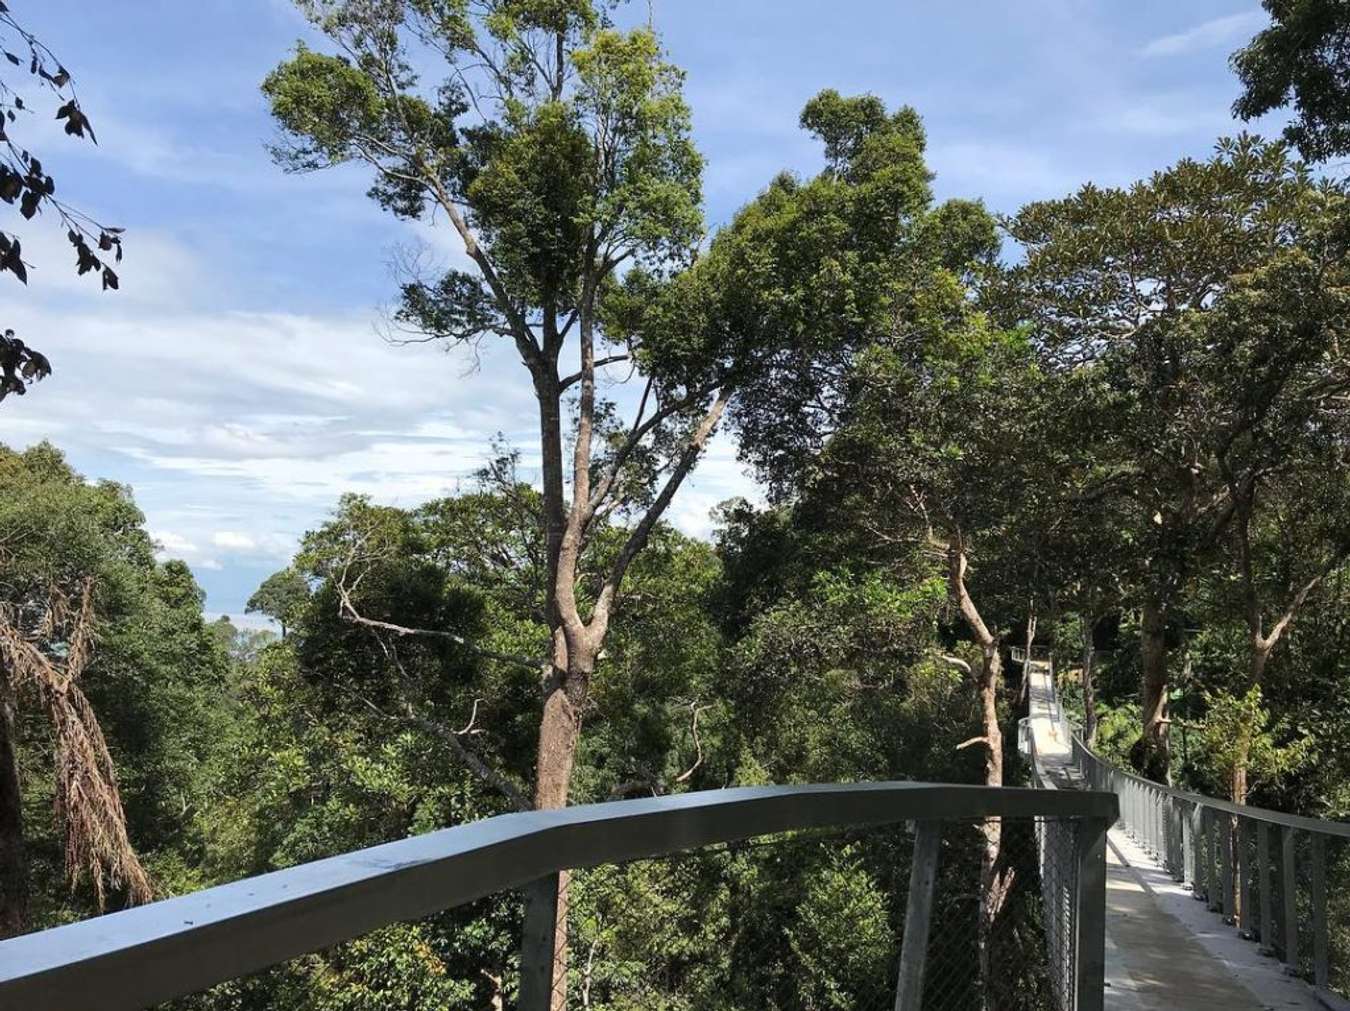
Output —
(132, 959)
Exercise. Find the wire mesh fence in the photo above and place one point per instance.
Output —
(800, 921)
(1281, 881)
(1056, 844)
(813, 920)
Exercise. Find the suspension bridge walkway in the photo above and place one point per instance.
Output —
(1174, 939)
(1138, 896)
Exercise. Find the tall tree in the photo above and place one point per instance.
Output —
(575, 159)
(280, 597)
(936, 451)
(69, 553)
(1302, 58)
(1281, 432)
(1141, 284)
(558, 150)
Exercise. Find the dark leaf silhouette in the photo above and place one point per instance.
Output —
(25, 184)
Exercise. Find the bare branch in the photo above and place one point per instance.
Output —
(638, 538)
(698, 745)
(575, 377)
(348, 612)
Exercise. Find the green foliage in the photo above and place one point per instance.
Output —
(156, 678)
(1303, 59)
(326, 101)
(280, 597)
(564, 160)
(835, 962)
(1238, 732)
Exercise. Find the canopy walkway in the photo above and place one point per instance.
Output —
(1186, 902)
(1193, 885)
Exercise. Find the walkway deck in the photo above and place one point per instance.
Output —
(1164, 950)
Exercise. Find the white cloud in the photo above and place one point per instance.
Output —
(1206, 35)
(158, 270)
(233, 540)
(718, 477)
(172, 545)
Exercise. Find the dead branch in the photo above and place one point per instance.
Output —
(958, 663)
(698, 745)
(88, 802)
(469, 758)
(347, 612)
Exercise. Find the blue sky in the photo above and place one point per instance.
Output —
(238, 380)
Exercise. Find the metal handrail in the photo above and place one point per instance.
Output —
(139, 957)
(1208, 844)
(1302, 823)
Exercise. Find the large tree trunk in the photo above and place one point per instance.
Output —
(13, 866)
(1152, 753)
(559, 735)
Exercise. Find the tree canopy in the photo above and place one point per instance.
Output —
(1113, 426)
(1302, 59)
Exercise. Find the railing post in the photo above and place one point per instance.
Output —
(1321, 953)
(1179, 840)
(1168, 849)
(537, 946)
(1289, 892)
(918, 916)
(1090, 915)
(1151, 816)
(1187, 843)
(1198, 877)
(1225, 821)
(1160, 820)
(1244, 894)
(1176, 860)
(1263, 870)
(1213, 872)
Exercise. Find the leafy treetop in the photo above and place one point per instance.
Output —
(1302, 58)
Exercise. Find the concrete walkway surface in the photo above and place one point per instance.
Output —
(1165, 951)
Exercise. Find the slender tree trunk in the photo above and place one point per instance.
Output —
(13, 865)
(1030, 637)
(1089, 685)
(1152, 753)
(1238, 787)
(1238, 780)
(993, 882)
(1261, 650)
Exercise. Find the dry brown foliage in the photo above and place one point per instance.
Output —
(50, 660)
